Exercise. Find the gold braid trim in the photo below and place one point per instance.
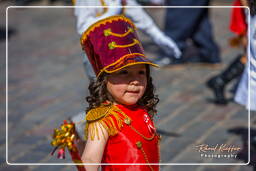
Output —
(108, 32)
(105, 69)
(113, 45)
(108, 117)
(104, 21)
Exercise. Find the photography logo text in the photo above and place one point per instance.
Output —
(217, 150)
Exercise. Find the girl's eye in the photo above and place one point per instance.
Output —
(142, 72)
(123, 72)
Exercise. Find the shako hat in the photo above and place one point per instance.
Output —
(112, 44)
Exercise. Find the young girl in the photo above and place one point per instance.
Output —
(122, 103)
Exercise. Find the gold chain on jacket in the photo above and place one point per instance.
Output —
(128, 122)
(139, 144)
(146, 138)
(146, 158)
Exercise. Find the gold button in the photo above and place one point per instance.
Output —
(106, 32)
(112, 45)
(139, 144)
(127, 121)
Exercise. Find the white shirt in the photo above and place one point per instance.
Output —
(242, 91)
(87, 15)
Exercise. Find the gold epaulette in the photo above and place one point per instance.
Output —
(109, 117)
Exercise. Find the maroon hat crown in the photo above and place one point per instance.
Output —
(112, 44)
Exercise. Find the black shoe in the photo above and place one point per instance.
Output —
(219, 82)
(217, 85)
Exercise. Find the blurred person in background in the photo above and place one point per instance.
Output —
(242, 92)
(245, 96)
(192, 31)
(234, 70)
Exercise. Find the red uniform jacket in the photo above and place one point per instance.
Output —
(136, 140)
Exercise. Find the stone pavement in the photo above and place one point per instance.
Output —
(47, 84)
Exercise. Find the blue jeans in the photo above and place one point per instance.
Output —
(183, 24)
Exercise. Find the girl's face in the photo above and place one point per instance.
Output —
(128, 85)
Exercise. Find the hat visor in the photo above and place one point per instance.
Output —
(127, 61)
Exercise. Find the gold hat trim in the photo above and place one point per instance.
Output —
(113, 45)
(102, 22)
(130, 64)
(108, 32)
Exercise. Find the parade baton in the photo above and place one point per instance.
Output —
(64, 138)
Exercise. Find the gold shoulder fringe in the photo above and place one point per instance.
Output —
(108, 117)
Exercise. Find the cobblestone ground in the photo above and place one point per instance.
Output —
(47, 84)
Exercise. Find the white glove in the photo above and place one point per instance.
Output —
(163, 41)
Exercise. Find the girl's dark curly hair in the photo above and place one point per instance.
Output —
(99, 94)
